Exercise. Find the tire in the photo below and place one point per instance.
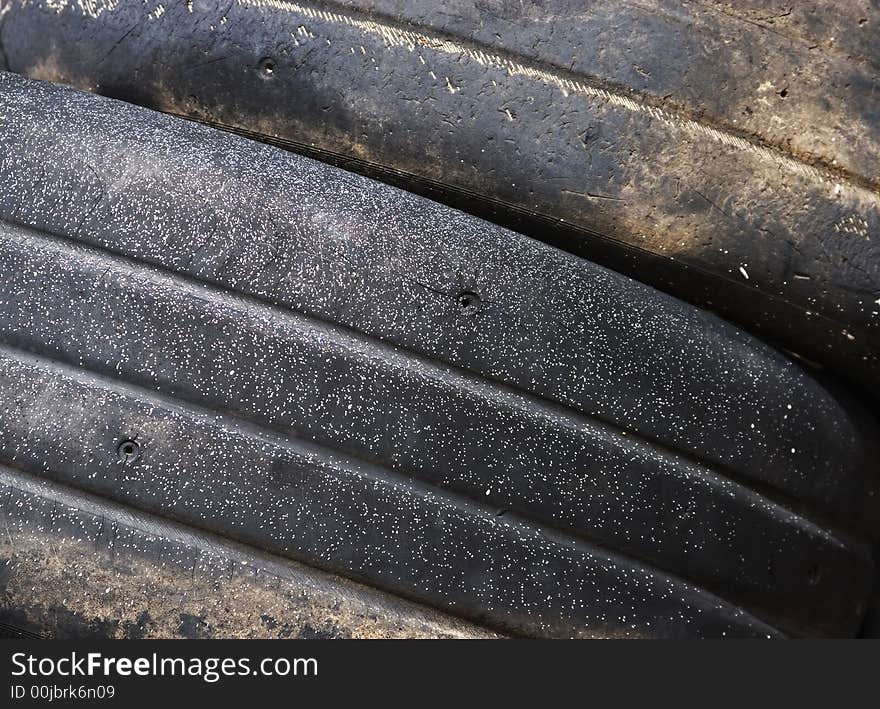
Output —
(157, 579)
(725, 152)
(334, 371)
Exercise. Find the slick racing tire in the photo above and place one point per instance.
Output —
(330, 370)
(79, 566)
(727, 152)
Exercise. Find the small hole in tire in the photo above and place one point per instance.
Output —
(468, 302)
(128, 450)
(267, 68)
(814, 574)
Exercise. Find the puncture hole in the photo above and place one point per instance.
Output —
(468, 301)
(814, 574)
(267, 67)
(128, 450)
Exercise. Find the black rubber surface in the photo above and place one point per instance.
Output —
(725, 152)
(78, 566)
(333, 370)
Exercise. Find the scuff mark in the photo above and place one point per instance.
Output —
(674, 116)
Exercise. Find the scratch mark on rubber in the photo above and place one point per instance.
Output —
(593, 195)
(564, 81)
(809, 42)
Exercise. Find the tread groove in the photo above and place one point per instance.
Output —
(494, 389)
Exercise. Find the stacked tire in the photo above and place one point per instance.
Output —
(280, 362)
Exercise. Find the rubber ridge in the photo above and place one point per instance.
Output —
(725, 152)
(333, 370)
(108, 571)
